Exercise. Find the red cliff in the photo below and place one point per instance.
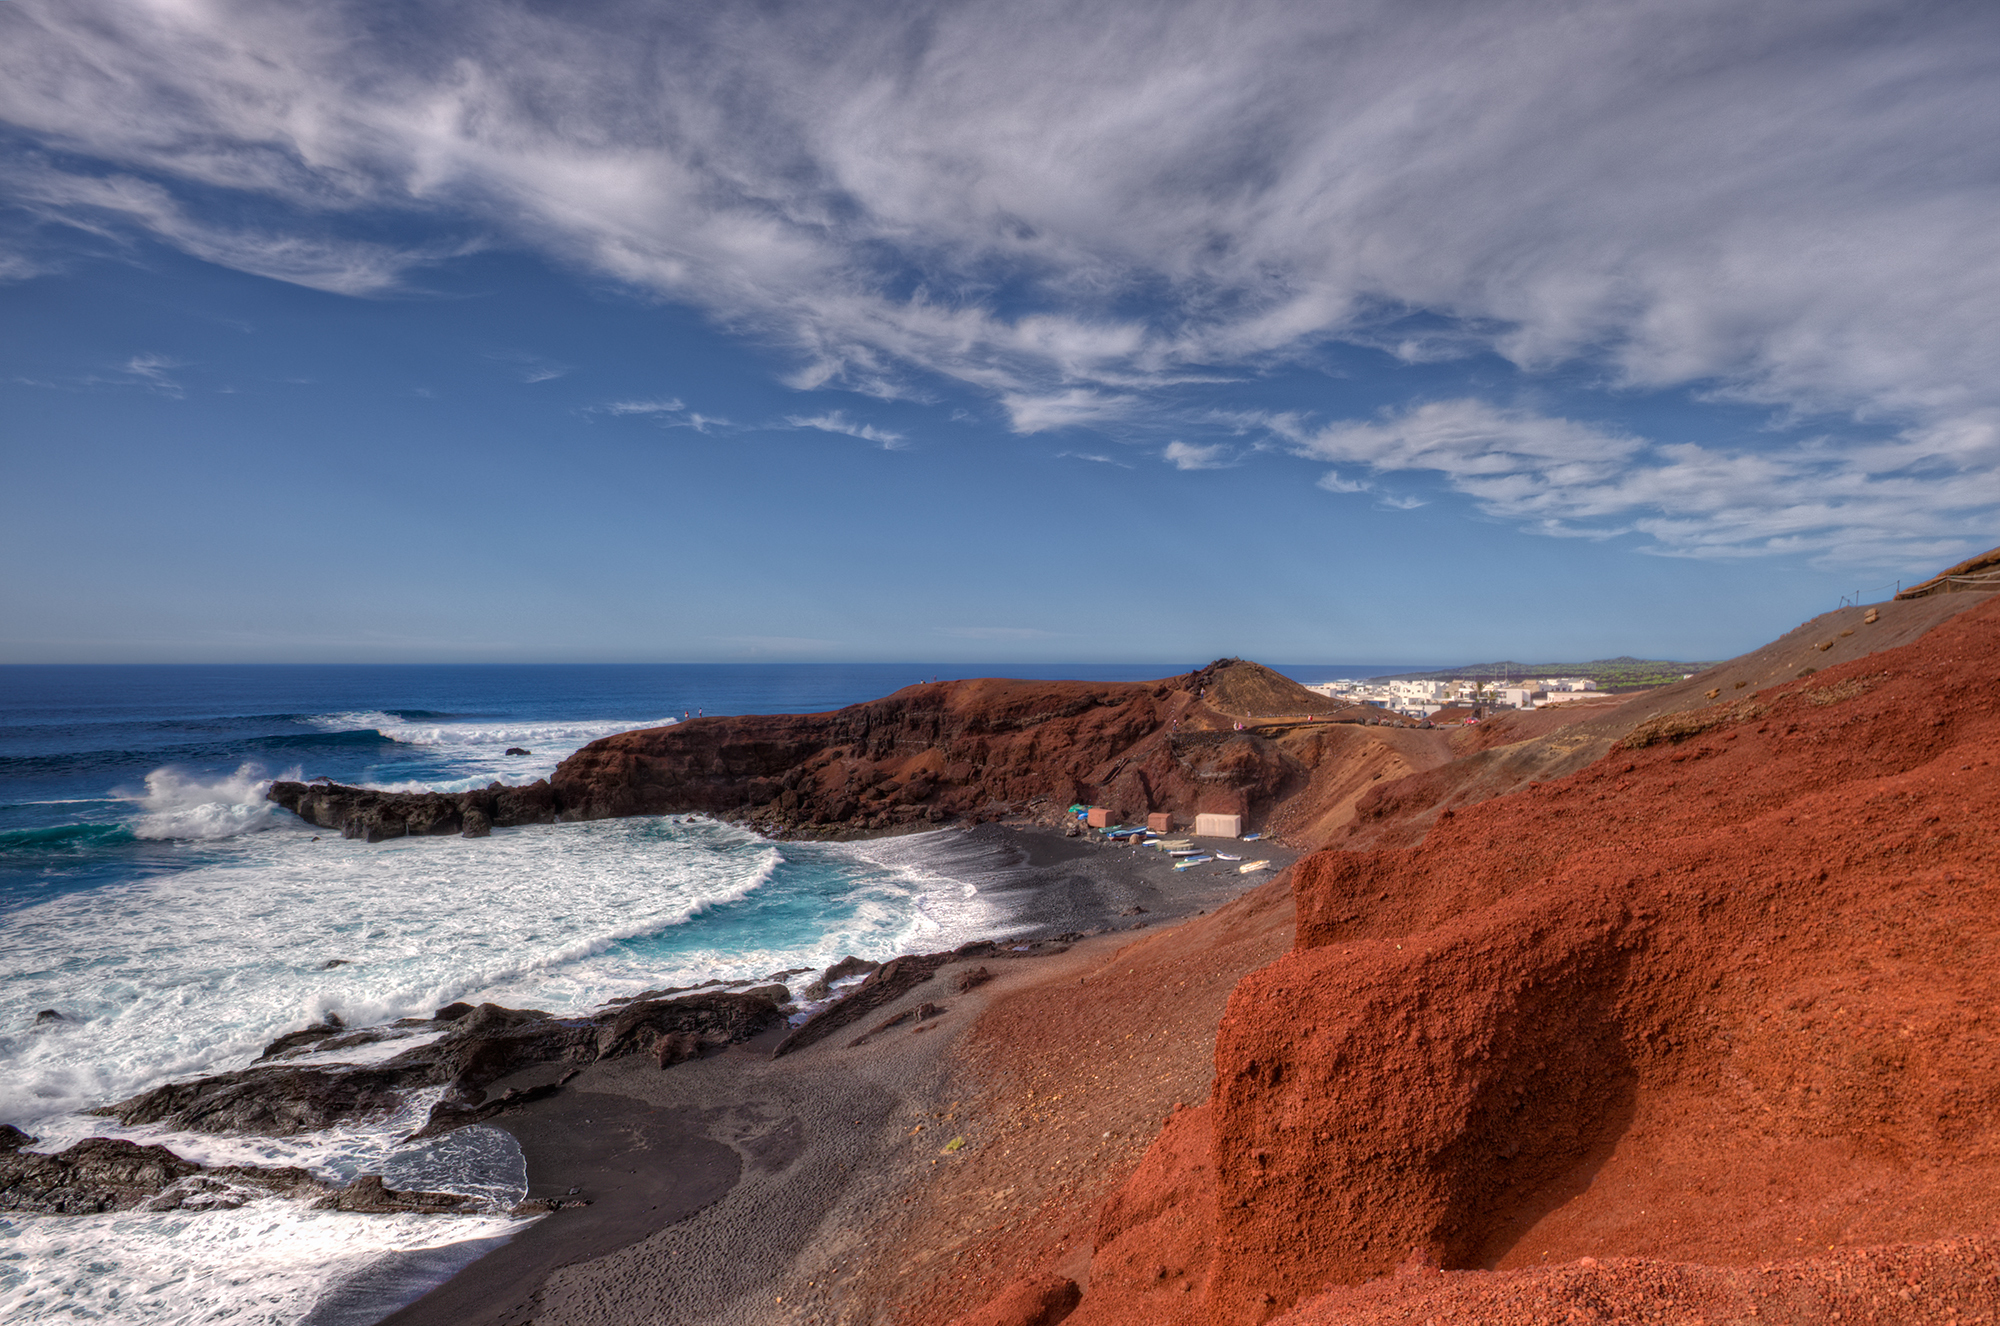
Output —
(961, 749)
(1703, 1028)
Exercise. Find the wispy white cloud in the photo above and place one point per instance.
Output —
(834, 421)
(617, 409)
(670, 412)
(1924, 489)
(531, 368)
(1040, 413)
(151, 369)
(1191, 456)
(101, 204)
(1785, 203)
(1093, 457)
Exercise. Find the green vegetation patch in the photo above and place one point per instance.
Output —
(1611, 674)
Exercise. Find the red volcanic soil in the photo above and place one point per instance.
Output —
(1507, 726)
(1708, 1029)
(1077, 1075)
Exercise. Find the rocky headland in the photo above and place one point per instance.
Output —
(1230, 738)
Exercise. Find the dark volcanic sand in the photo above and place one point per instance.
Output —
(710, 1181)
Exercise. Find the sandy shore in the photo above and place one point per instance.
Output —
(707, 1192)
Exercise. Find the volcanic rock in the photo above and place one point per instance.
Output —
(105, 1174)
(268, 1102)
(884, 985)
(368, 1195)
(713, 1019)
(927, 754)
(305, 1036)
(363, 813)
(479, 1047)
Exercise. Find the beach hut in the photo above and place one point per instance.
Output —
(1160, 822)
(1218, 826)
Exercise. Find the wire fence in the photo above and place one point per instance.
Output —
(1861, 596)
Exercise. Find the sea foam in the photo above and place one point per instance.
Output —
(475, 751)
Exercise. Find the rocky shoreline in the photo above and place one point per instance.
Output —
(539, 1076)
(478, 1048)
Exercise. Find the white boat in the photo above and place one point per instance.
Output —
(1224, 856)
(1249, 866)
(1191, 861)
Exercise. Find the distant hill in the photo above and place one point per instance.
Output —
(1250, 690)
(1625, 673)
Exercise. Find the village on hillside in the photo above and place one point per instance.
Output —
(1423, 698)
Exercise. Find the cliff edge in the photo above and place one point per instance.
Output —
(1700, 1029)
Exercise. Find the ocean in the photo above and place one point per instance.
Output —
(173, 922)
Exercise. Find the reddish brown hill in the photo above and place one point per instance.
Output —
(1251, 690)
(944, 750)
(973, 749)
(1544, 744)
(1233, 737)
(1723, 1002)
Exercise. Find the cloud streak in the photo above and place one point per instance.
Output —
(1576, 480)
(1075, 208)
(834, 421)
(1189, 456)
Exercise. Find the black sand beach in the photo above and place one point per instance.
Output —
(739, 1188)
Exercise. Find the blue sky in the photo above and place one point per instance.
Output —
(986, 332)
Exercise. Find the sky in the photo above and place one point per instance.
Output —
(1011, 330)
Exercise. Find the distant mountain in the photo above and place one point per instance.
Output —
(1621, 673)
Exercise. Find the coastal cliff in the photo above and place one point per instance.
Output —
(1214, 740)
(1701, 1028)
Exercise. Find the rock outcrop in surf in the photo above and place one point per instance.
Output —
(478, 1048)
(102, 1174)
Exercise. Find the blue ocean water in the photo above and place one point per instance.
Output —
(173, 922)
(78, 744)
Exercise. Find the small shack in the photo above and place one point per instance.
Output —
(1218, 826)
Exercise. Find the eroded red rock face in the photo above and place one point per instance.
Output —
(949, 750)
(1731, 997)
